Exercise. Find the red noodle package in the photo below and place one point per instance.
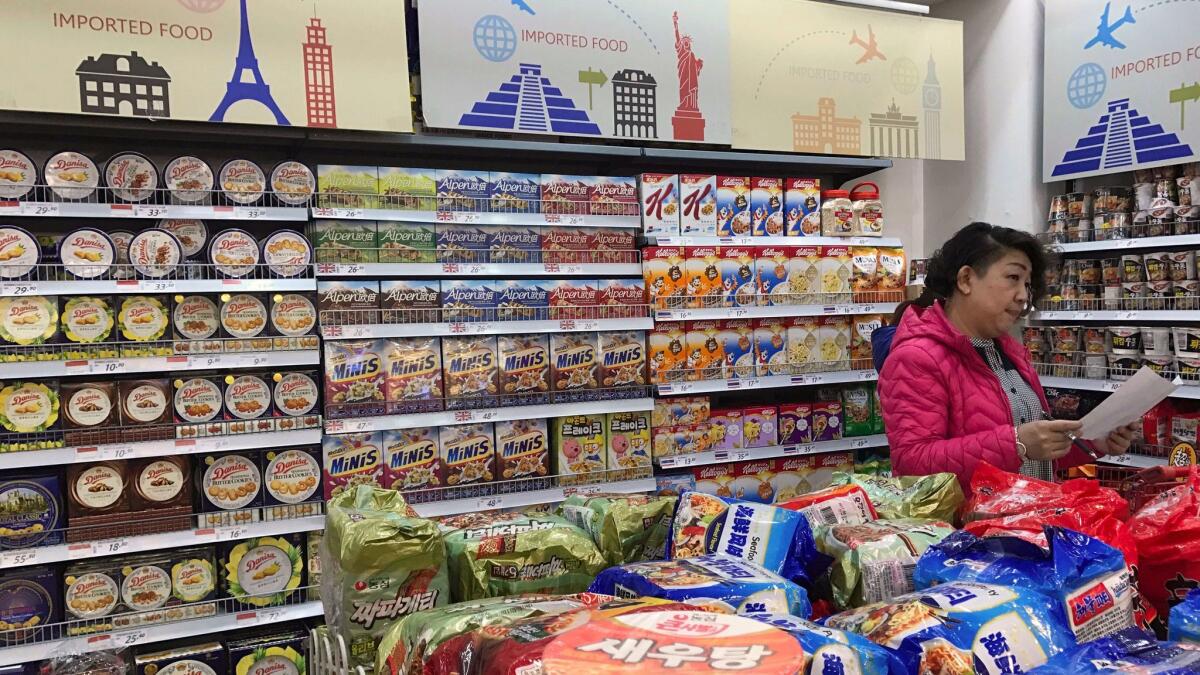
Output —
(1167, 532)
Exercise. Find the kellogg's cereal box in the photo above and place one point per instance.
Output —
(663, 271)
(827, 421)
(861, 329)
(621, 298)
(572, 298)
(699, 199)
(574, 364)
(766, 207)
(804, 275)
(628, 445)
(565, 244)
(515, 192)
(524, 369)
(739, 281)
(771, 340)
(760, 427)
(733, 206)
(716, 479)
(471, 368)
(581, 449)
(827, 464)
(795, 423)
(660, 204)
(737, 341)
(414, 374)
(705, 351)
(773, 267)
(462, 190)
(566, 195)
(412, 461)
(469, 458)
(802, 200)
(668, 353)
(613, 245)
(410, 300)
(518, 300)
(405, 242)
(468, 300)
(613, 196)
(804, 343)
(793, 477)
(677, 410)
(725, 429)
(354, 377)
(513, 244)
(704, 288)
(523, 452)
(407, 189)
(835, 342)
(462, 243)
(622, 364)
(352, 460)
(835, 274)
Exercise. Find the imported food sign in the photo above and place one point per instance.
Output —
(332, 64)
(1121, 86)
(626, 69)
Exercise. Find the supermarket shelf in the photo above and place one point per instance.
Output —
(1128, 244)
(700, 240)
(474, 218)
(481, 328)
(1186, 391)
(751, 454)
(435, 270)
(96, 287)
(452, 417)
(452, 507)
(1179, 315)
(212, 625)
(767, 382)
(1134, 461)
(178, 446)
(773, 311)
(42, 555)
(118, 366)
(93, 210)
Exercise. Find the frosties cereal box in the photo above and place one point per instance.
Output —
(773, 267)
(770, 338)
(513, 244)
(835, 274)
(352, 460)
(804, 343)
(413, 369)
(739, 281)
(458, 243)
(725, 429)
(766, 207)
(468, 299)
(518, 300)
(515, 192)
(705, 351)
(574, 366)
(663, 272)
(835, 342)
(702, 271)
(622, 370)
(621, 298)
(471, 368)
(668, 357)
(524, 369)
(802, 203)
(570, 245)
(760, 426)
(408, 189)
(804, 275)
(462, 190)
(412, 461)
(741, 353)
(523, 450)
(733, 206)
(699, 198)
(581, 448)
(628, 445)
(572, 298)
(566, 195)
(612, 245)
(613, 196)
(468, 455)
(660, 204)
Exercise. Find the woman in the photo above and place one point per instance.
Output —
(957, 389)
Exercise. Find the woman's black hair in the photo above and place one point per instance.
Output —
(977, 246)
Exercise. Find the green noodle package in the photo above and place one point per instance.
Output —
(626, 528)
(937, 496)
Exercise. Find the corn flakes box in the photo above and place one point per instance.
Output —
(351, 460)
(835, 274)
(835, 342)
(513, 244)
(515, 192)
(739, 281)
(344, 241)
(524, 369)
(355, 378)
(405, 242)
(663, 272)
(862, 327)
(406, 189)
(566, 195)
(802, 203)
(615, 245)
(668, 353)
(703, 276)
(574, 364)
(698, 194)
(741, 351)
(613, 195)
(669, 412)
(470, 367)
(705, 351)
(771, 341)
(343, 186)
(660, 204)
(804, 275)
(725, 429)
(772, 266)
(523, 452)
(469, 458)
(457, 243)
(518, 300)
(414, 374)
(766, 207)
(468, 300)
(412, 460)
(622, 363)
(621, 298)
(733, 206)
(462, 190)
(581, 448)
(566, 244)
(804, 343)
(628, 435)
(572, 298)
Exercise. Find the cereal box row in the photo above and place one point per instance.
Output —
(772, 480)
(730, 206)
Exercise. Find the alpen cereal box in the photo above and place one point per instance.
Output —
(574, 366)
(468, 300)
(773, 267)
(348, 303)
(572, 299)
(725, 429)
(515, 192)
(705, 351)
(524, 369)
(702, 271)
(613, 245)
(622, 363)
(766, 207)
(733, 206)
(760, 427)
(352, 460)
(348, 187)
(462, 190)
(739, 282)
(804, 343)
(412, 461)
(663, 271)
(835, 342)
(802, 202)
(835, 274)
(660, 204)
(414, 374)
(699, 198)
(741, 352)
(410, 300)
(471, 368)
(344, 241)
(668, 357)
(613, 196)
(513, 244)
(518, 300)
(804, 275)
(407, 189)
(566, 244)
(770, 339)
(457, 243)
(469, 457)
(628, 445)
(621, 298)
(566, 195)
(405, 242)
(523, 450)
(581, 448)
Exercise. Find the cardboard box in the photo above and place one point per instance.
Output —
(680, 410)
(469, 457)
(771, 345)
(410, 300)
(515, 192)
(572, 299)
(457, 243)
(523, 453)
(705, 351)
(524, 369)
(628, 445)
(835, 342)
(804, 344)
(462, 190)
(702, 271)
(827, 421)
(741, 349)
(668, 353)
(733, 206)
(344, 241)
(348, 303)
(773, 267)
(699, 198)
(566, 195)
(471, 366)
(355, 376)
(518, 300)
(613, 245)
(760, 426)
(407, 189)
(622, 368)
(621, 298)
(766, 207)
(835, 274)
(413, 379)
(660, 204)
(581, 449)
(469, 300)
(613, 196)
(752, 480)
(574, 366)
(412, 460)
(739, 279)
(725, 429)
(342, 186)
(804, 275)
(570, 245)
(802, 203)
(795, 423)
(513, 244)
(406, 242)
(663, 272)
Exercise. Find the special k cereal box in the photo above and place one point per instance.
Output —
(412, 461)
(766, 207)
(471, 367)
(612, 245)
(574, 366)
(770, 338)
(668, 358)
(613, 196)
(515, 192)
(414, 374)
(352, 460)
(804, 275)
(628, 445)
(835, 274)
(862, 327)
(699, 198)
(702, 271)
(622, 363)
(458, 243)
(705, 351)
(804, 343)
(739, 282)
(660, 204)
(835, 342)
(523, 450)
(469, 457)
(773, 264)
(572, 298)
(733, 206)
(621, 298)
(462, 190)
(565, 244)
(566, 195)
(802, 202)
(663, 272)
(581, 448)
(524, 369)
(741, 353)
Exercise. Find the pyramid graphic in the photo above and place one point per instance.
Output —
(528, 102)
(1113, 142)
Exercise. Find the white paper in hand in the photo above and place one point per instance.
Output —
(1133, 399)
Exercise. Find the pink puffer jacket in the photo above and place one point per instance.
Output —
(943, 408)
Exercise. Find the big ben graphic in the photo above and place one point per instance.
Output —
(931, 99)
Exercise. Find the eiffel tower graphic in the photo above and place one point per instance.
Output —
(237, 89)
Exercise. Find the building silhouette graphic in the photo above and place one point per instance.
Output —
(931, 98)
(635, 104)
(111, 81)
(893, 134)
(825, 132)
(247, 82)
(318, 78)
(529, 102)
(1120, 137)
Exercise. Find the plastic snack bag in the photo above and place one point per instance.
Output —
(1130, 651)
(718, 583)
(381, 563)
(875, 561)
(1167, 532)
(827, 650)
(937, 496)
(1184, 622)
(842, 505)
(626, 528)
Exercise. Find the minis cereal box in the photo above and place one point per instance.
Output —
(471, 368)
(572, 299)
(410, 300)
(668, 353)
(733, 206)
(354, 377)
(861, 329)
(469, 458)
(581, 449)
(613, 196)
(804, 275)
(524, 369)
(795, 423)
(770, 338)
(835, 274)
(462, 244)
(566, 195)
(574, 366)
(407, 189)
(802, 202)
(663, 271)
(412, 461)
(699, 198)
(518, 300)
(621, 298)
(773, 267)
(835, 342)
(515, 192)
(725, 429)
(352, 460)
(703, 275)
(414, 374)
(523, 451)
(622, 364)
(348, 303)
(766, 207)
(760, 427)
(739, 281)
(660, 204)
(628, 445)
(705, 351)
(405, 242)
(741, 351)
(462, 190)
(804, 343)
(347, 186)
(613, 245)
(344, 241)
(468, 300)
(513, 244)
(570, 245)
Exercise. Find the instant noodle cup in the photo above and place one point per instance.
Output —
(827, 650)
(626, 528)
(937, 496)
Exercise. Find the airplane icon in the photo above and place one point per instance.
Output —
(1104, 32)
(523, 6)
(869, 49)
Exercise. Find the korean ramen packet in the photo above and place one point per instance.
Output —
(937, 496)
(626, 528)
(827, 650)
(1130, 651)
(1184, 621)
(874, 561)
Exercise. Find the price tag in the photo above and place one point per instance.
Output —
(739, 456)
(247, 618)
(466, 217)
(205, 534)
(218, 444)
(739, 312)
(488, 415)
(19, 288)
(686, 460)
(1084, 316)
(572, 269)
(116, 451)
(77, 367)
(491, 503)
(664, 314)
(157, 285)
(1118, 459)
(96, 643)
(1110, 386)
(111, 546)
(19, 558)
(108, 367)
(593, 324)
(721, 456)
(77, 551)
(151, 211)
(202, 362)
(351, 268)
(249, 212)
(129, 638)
(574, 220)
(859, 443)
(10, 208)
(867, 375)
(40, 209)
(801, 379)
(232, 533)
(1126, 316)
(351, 214)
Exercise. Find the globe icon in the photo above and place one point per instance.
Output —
(1087, 85)
(495, 39)
(905, 76)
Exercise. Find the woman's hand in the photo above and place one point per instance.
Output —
(1119, 440)
(1048, 439)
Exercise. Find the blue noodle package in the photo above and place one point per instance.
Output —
(1184, 622)
(827, 650)
(1087, 577)
(716, 582)
(774, 538)
(963, 627)
(1129, 651)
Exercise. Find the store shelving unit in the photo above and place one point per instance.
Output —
(159, 364)
(14, 288)
(767, 382)
(752, 454)
(451, 507)
(692, 240)
(69, 209)
(358, 332)
(455, 270)
(1171, 315)
(772, 311)
(473, 416)
(139, 449)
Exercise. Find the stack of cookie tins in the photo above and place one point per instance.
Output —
(484, 335)
(160, 415)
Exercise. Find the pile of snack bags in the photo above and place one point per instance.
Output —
(869, 575)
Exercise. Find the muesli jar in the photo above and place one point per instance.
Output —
(837, 214)
(868, 210)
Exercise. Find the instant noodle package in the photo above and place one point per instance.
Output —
(1184, 622)
(1130, 651)
(626, 528)
(874, 561)
(828, 650)
(937, 496)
